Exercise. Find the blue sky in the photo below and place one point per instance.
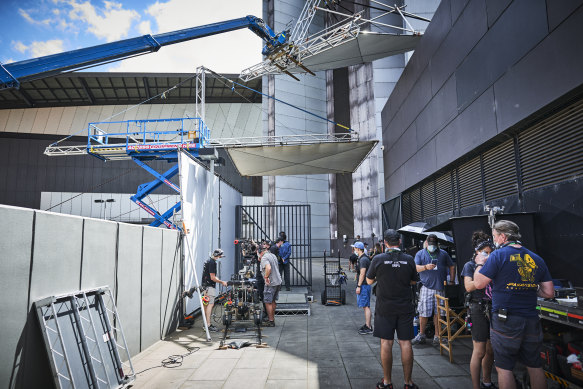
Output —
(33, 28)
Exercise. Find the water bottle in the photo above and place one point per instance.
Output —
(416, 325)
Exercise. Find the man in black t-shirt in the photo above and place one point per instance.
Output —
(209, 284)
(394, 273)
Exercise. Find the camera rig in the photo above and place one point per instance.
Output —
(243, 309)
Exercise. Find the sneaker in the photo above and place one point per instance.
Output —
(365, 330)
(381, 385)
(491, 386)
(363, 327)
(419, 339)
(436, 341)
(188, 293)
(269, 323)
(412, 386)
(212, 328)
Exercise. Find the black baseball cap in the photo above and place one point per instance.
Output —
(391, 235)
(218, 253)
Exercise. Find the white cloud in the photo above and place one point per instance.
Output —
(19, 46)
(226, 53)
(26, 15)
(112, 23)
(39, 48)
(145, 27)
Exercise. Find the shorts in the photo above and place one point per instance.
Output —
(363, 299)
(517, 339)
(271, 293)
(480, 322)
(352, 260)
(427, 302)
(385, 326)
(211, 293)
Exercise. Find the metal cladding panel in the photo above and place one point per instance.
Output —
(171, 281)
(522, 91)
(495, 9)
(522, 26)
(461, 39)
(151, 286)
(559, 11)
(56, 267)
(99, 254)
(457, 6)
(129, 291)
(468, 130)
(16, 247)
(438, 112)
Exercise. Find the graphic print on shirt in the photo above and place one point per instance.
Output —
(527, 269)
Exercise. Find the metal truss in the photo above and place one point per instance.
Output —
(283, 140)
(200, 92)
(302, 46)
(56, 151)
(84, 339)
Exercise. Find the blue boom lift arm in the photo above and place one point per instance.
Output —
(11, 75)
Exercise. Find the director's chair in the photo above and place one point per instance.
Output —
(451, 310)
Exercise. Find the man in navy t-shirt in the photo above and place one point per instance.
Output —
(518, 276)
(432, 264)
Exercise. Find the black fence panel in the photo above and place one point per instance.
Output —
(259, 222)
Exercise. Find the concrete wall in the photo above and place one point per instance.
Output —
(45, 254)
(481, 68)
(310, 94)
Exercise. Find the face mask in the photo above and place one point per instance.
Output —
(431, 248)
(497, 245)
(484, 254)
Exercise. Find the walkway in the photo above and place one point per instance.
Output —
(323, 350)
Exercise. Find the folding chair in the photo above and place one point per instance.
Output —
(451, 304)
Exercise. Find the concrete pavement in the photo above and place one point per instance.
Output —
(323, 350)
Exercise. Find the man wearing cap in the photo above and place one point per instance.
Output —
(432, 265)
(363, 290)
(209, 282)
(270, 270)
(394, 272)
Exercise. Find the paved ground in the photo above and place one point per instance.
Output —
(323, 350)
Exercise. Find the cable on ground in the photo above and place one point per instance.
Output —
(172, 361)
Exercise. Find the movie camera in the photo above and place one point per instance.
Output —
(249, 258)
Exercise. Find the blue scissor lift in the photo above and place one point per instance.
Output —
(148, 140)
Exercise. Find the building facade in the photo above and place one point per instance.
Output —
(488, 111)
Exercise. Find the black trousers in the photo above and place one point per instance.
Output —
(284, 270)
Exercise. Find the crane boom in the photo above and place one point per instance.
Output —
(12, 74)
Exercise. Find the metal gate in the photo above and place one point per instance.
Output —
(259, 222)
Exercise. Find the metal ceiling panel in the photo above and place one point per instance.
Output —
(320, 158)
(367, 47)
